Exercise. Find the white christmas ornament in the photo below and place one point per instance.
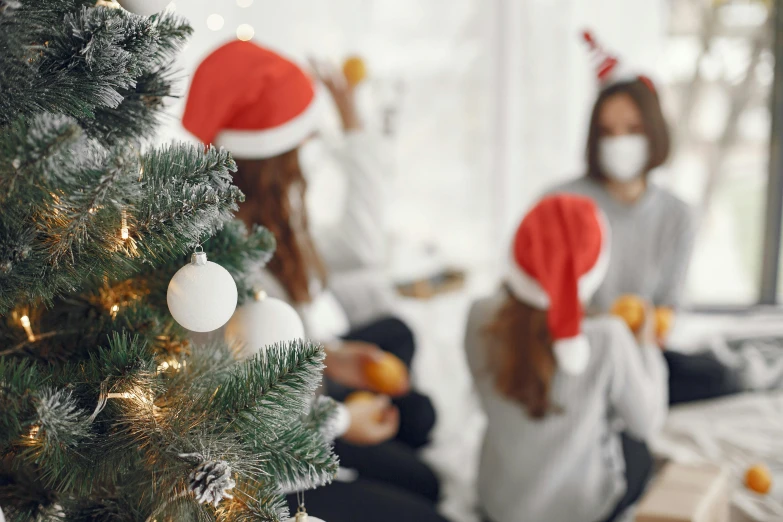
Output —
(302, 516)
(202, 295)
(145, 7)
(263, 322)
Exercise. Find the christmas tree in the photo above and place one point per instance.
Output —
(107, 410)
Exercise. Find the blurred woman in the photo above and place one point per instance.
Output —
(552, 384)
(264, 108)
(652, 229)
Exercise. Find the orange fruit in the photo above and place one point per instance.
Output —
(388, 375)
(664, 317)
(631, 309)
(359, 396)
(354, 70)
(363, 396)
(758, 479)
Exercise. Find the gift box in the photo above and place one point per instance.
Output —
(685, 493)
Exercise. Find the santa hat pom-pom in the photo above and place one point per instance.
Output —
(572, 354)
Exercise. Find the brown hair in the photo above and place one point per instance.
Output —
(654, 122)
(521, 356)
(275, 198)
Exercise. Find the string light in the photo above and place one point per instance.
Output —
(34, 432)
(137, 394)
(114, 309)
(120, 395)
(170, 363)
(26, 325)
(124, 230)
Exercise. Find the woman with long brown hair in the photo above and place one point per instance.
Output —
(553, 385)
(264, 108)
(653, 229)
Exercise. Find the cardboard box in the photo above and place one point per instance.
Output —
(682, 493)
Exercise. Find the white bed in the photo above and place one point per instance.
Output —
(733, 432)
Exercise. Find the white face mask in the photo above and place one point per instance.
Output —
(623, 158)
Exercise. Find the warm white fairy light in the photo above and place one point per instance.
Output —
(26, 325)
(34, 432)
(245, 32)
(120, 395)
(136, 394)
(124, 229)
(114, 309)
(171, 363)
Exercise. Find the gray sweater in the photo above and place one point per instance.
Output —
(651, 244)
(567, 467)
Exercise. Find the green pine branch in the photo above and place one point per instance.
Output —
(107, 406)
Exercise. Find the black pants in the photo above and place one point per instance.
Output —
(366, 500)
(394, 462)
(700, 376)
(417, 415)
(638, 471)
(394, 484)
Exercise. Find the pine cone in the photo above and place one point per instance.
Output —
(210, 482)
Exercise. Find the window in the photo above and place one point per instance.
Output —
(719, 67)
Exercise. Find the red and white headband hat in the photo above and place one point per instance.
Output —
(252, 101)
(559, 257)
(608, 67)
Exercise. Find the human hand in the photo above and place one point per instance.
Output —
(664, 318)
(346, 364)
(373, 421)
(342, 93)
(646, 335)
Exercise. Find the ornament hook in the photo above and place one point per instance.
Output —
(199, 257)
(301, 512)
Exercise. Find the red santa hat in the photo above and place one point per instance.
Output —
(609, 69)
(251, 101)
(559, 257)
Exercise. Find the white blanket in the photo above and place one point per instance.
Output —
(735, 432)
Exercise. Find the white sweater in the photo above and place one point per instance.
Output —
(357, 242)
(568, 466)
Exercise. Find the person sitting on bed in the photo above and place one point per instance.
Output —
(262, 107)
(653, 230)
(552, 384)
